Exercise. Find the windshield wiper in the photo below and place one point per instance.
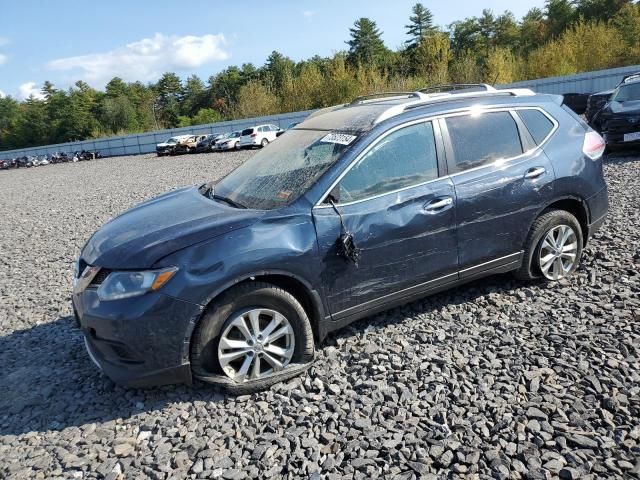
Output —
(227, 200)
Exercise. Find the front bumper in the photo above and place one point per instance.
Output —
(138, 342)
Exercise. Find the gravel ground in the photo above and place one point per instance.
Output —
(494, 379)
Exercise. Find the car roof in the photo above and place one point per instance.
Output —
(364, 113)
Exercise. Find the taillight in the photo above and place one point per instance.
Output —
(593, 146)
(254, 135)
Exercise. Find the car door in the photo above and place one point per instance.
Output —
(501, 181)
(401, 214)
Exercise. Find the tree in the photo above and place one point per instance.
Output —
(365, 46)
(118, 114)
(276, 70)
(627, 22)
(532, 30)
(420, 25)
(169, 95)
(255, 100)
(431, 58)
(599, 10)
(193, 96)
(205, 116)
(559, 15)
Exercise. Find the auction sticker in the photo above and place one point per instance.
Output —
(341, 138)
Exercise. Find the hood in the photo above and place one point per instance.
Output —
(631, 107)
(141, 236)
(164, 144)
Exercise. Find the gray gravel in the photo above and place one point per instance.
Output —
(497, 379)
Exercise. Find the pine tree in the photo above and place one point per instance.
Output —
(421, 24)
(366, 46)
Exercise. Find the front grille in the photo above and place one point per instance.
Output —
(100, 277)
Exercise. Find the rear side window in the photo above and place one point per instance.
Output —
(402, 159)
(247, 131)
(537, 123)
(481, 139)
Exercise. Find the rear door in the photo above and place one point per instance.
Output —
(501, 180)
(400, 208)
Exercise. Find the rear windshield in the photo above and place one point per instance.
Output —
(247, 131)
(282, 172)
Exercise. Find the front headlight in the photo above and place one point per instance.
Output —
(119, 285)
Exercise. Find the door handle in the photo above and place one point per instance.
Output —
(534, 172)
(438, 204)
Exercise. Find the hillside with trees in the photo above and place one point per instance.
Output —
(565, 37)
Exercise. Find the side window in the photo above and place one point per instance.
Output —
(481, 139)
(537, 123)
(403, 158)
(261, 129)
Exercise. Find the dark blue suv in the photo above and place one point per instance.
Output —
(359, 208)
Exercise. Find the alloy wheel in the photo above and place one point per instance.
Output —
(256, 344)
(558, 252)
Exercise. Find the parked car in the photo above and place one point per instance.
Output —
(166, 147)
(619, 119)
(187, 145)
(598, 100)
(359, 208)
(229, 141)
(289, 127)
(258, 136)
(207, 143)
(5, 164)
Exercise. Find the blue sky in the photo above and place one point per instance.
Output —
(67, 40)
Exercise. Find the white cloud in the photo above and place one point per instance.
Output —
(145, 59)
(3, 59)
(2, 95)
(308, 14)
(27, 89)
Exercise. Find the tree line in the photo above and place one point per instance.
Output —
(565, 37)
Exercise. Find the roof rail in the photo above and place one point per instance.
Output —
(430, 99)
(631, 78)
(451, 87)
(372, 96)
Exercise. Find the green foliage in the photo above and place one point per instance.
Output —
(365, 46)
(420, 25)
(565, 37)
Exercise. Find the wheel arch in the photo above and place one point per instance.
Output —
(577, 207)
(297, 286)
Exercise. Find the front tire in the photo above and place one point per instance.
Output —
(553, 248)
(253, 336)
(264, 143)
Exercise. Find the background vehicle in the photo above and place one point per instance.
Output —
(598, 100)
(289, 127)
(166, 148)
(229, 141)
(619, 119)
(258, 136)
(359, 208)
(187, 145)
(207, 143)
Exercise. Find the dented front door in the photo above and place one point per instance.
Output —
(406, 238)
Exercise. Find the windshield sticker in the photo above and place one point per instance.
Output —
(340, 138)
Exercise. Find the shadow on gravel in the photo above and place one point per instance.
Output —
(47, 382)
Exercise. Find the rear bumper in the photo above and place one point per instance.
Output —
(138, 342)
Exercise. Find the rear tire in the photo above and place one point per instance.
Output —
(238, 303)
(553, 247)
